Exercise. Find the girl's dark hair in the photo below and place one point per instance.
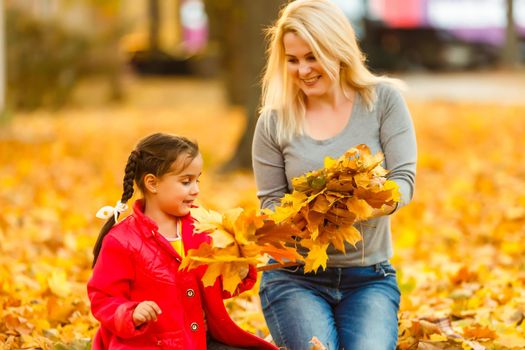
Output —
(154, 154)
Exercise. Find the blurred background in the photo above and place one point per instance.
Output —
(81, 81)
(50, 47)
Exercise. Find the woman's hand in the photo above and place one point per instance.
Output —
(385, 210)
(144, 312)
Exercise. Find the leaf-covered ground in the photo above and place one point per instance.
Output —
(458, 246)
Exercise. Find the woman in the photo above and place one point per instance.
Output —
(319, 100)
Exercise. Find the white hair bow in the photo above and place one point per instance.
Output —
(107, 211)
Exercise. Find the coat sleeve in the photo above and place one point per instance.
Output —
(109, 290)
(246, 284)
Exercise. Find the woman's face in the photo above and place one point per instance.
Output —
(304, 69)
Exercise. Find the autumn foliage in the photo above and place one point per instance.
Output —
(326, 203)
(321, 210)
(238, 238)
(458, 245)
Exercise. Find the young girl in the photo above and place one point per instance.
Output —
(137, 292)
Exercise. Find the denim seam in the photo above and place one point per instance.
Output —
(276, 319)
(385, 273)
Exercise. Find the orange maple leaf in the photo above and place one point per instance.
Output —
(479, 332)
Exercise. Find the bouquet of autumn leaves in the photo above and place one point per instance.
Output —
(326, 203)
(239, 238)
(321, 210)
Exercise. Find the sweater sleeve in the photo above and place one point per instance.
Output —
(268, 164)
(109, 290)
(398, 141)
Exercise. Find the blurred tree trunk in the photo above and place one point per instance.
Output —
(239, 26)
(154, 25)
(510, 56)
(225, 17)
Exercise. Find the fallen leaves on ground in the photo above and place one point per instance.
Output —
(316, 344)
(458, 245)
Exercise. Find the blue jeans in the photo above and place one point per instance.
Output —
(353, 308)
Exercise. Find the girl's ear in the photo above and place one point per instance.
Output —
(151, 182)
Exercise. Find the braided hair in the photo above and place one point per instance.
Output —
(155, 154)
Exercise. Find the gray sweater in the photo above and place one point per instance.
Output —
(387, 128)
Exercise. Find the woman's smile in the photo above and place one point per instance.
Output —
(311, 81)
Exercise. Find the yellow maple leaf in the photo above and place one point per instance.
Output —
(221, 238)
(316, 257)
(58, 284)
(359, 207)
(206, 220)
(246, 225)
(231, 276)
(345, 233)
(392, 186)
(330, 162)
(212, 273)
(191, 260)
(313, 220)
(290, 205)
(229, 217)
(362, 179)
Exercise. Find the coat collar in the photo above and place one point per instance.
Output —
(149, 228)
(146, 221)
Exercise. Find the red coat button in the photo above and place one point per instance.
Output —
(194, 326)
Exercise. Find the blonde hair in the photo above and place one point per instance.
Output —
(329, 34)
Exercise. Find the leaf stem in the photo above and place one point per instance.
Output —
(277, 266)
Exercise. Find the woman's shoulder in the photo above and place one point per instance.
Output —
(266, 130)
(390, 87)
(267, 119)
(388, 93)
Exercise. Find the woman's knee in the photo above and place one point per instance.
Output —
(295, 318)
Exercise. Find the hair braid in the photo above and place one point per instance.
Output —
(129, 176)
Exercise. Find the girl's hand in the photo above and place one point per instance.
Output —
(144, 312)
(243, 271)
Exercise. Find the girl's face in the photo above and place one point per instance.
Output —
(306, 73)
(176, 190)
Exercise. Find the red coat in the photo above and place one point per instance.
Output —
(137, 263)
